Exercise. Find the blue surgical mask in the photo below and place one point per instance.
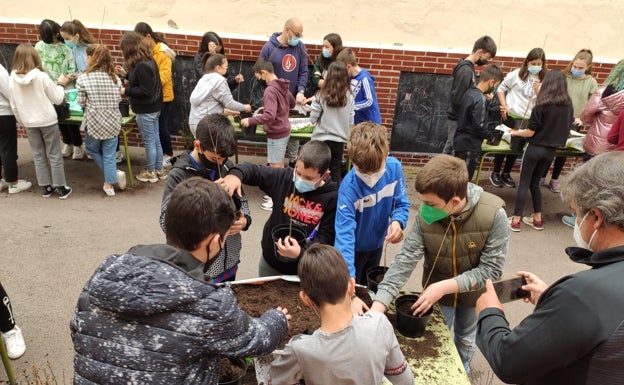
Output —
(575, 73)
(70, 44)
(534, 69)
(303, 186)
(326, 53)
(293, 41)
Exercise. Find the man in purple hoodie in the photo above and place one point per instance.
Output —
(277, 102)
(289, 57)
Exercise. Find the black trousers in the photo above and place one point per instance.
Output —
(535, 161)
(337, 149)
(8, 148)
(71, 134)
(7, 322)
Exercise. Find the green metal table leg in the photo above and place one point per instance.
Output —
(7, 364)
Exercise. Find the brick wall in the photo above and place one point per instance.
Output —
(385, 64)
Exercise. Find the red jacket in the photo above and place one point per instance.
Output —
(616, 133)
(601, 113)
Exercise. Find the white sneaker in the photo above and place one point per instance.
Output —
(119, 157)
(79, 153)
(167, 160)
(121, 180)
(67, 150)
(267, 205)
(19, 187)
(266, 198)
(109, 190)
(146, 176)
(3, 184)
(14, 342)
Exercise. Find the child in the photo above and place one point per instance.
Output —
(277, 102)
(31, 94)
(12, 336)
(77, 38)
(212, 94)
(163, 56)
(472, 118)
(214, 144)
(307, 200)
(461, 232)
(362, 84)
(581, 86)
(372, 201)
(548, 128)
(365, 346)
(516, 95)
(332, 113)
(146, 97)
(8, 141)
(483, 50)
(151, 307)
(616, 133)
(98, 93)
(332, 45)
(211, 43)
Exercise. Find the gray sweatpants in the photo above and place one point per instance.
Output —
(45, 145)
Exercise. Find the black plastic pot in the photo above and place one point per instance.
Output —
(124, 108)
(241, 364)
(283, 230)
(250, 131)
(407, 324)
(374, 275)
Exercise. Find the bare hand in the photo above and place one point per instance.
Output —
(536, 86)
(244, 122)
(239, 224)
(63, 80)
(285, 312)
(535, 285)
(122, 91)
(247, 107)
(239, 78)
(427, 298)
(577, 122)
(488, 299)
(301, 98)
(231, 184)
(120, 71)
(395, 234)
(503, 112)
(378, 307)
(358, 306)
(227, 111)
(288, 247)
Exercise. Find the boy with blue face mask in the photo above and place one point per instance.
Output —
(462, 233)
(304, 199)
(372, 201)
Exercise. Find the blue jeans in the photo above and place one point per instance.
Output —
(463, 321)
(148, 125)
(103, 153)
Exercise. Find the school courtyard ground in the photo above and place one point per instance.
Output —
(50, 247)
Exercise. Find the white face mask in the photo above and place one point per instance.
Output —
(580, 242)
(371, 179)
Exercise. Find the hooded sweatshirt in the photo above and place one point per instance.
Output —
(463, 79)
(210, 96)
(288, 62)
(601, 113)
(31, 96)
(277, 102)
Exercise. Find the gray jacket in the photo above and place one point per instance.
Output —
(332, 123)
(141, 320)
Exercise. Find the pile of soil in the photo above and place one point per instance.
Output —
(229, 371)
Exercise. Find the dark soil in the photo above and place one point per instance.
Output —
(378, 278)
(406, 307)
(229, 371)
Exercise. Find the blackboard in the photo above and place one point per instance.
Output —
(6, 55)
(419, 123)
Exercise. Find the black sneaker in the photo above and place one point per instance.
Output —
(508, 180)
(496, 180)
(64, 192)
(47, 191)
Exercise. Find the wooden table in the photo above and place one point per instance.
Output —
(503, 149)
(127, 125)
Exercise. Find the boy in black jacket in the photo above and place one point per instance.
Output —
(484, 50)
(472, 127)
(305, 198)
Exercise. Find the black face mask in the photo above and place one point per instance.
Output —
(212, 260)
(481, 62)
(211, 169)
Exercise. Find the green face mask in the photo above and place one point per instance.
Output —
(430, 214)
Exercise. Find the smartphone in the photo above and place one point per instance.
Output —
(511, 289)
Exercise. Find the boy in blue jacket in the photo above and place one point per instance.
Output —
(372, 200)
(366, 106)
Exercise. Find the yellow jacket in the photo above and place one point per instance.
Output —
(163, 56)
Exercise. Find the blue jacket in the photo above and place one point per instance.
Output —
(364, 214)
(366, 105)
(288, 62)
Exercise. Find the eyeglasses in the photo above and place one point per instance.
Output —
(297, 35)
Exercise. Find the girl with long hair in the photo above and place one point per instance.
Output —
(99, 95)
(145, 94)
(332, 113)
(32, 94)
(210, 44)
(163, 55)
(516, 94)
(548, 128)
(332, 45)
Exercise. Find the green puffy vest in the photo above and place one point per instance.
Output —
(460, 247)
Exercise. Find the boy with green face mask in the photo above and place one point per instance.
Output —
(462, 233)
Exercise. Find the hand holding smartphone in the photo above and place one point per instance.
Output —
(511, 289)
